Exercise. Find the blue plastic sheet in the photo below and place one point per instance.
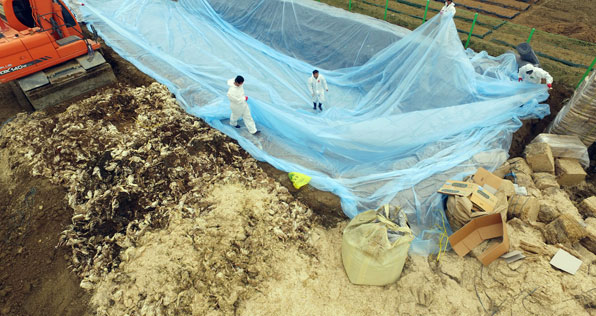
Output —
(405, 111)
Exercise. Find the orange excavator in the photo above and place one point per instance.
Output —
(44, 54)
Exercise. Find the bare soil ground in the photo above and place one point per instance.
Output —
(34, 276)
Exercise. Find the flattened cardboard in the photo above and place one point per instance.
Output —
(485, 200)
(460, 188)
(565, 261)
(487, 180)
(482, 199)
(513, 256)
(478, 230)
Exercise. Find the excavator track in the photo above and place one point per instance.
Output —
(63, 82)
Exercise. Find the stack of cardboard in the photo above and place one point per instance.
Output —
(483, 218)
(469, 200)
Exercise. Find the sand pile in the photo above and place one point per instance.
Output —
(450, 286)
(207, 263)
(157, 193)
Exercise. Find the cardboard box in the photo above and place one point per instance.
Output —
(519, 165)
(479, 230)
(524, 207)
(487, 180)
(481, 193)
(460, 188)
(484, 200)
(564, 229)
(508, 188)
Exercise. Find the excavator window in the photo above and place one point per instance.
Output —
(68, 19)
(22, 10)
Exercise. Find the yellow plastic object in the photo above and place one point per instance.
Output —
(298, 179)
(369, 257)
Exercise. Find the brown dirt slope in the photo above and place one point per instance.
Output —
(34, 275)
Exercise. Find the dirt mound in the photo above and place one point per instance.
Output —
(139, 170)
(205, 263)
(573, 18)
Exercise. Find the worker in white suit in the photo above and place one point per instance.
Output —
(449, 7)
(317, 85)
(533, 74)
(239, 106)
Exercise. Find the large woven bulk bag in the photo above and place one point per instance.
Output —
(374, 248)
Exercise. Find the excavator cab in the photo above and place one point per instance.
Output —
(44, 54)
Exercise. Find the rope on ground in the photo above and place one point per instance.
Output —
(497, 309)
(444, 238)
(525, 297)
(478, 296)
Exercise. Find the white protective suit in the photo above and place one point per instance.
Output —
(239, 107)
(448, 8)
(317, 88)
(536, 76)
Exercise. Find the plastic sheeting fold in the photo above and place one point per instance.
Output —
(405, 111)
